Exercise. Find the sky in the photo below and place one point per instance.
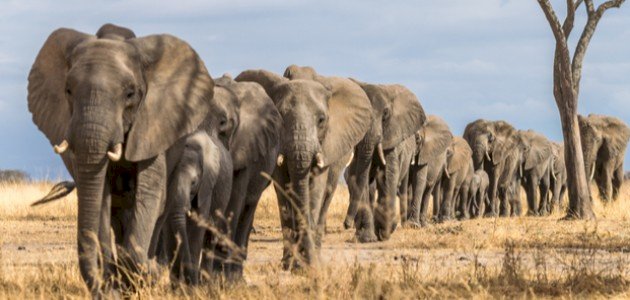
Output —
(464, 59)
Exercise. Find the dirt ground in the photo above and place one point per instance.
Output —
(477, 256)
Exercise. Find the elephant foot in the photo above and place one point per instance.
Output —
(412, 225)
(532, 213)
(490, 215)
(505, 214)
(366, 236)
(348, 224)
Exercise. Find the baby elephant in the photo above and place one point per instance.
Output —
(200, 185)
(478, 193)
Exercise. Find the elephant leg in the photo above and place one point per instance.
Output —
(532, 195)
(149, 202)
(445, 207)
(331, 187)
(417, 207)
(438, 195)
(492, 210)
(241, 237)
(403, 198)
(358, 178)
(617, 182)
(605, 181)
(465, 203)
(555, 195)
(288, 223)
(384, 213)
(544, 186)
(364, 221)
(506, 199)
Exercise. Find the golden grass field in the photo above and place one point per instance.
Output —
(482, 258)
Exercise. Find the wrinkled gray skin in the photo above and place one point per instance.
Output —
(604, 143)
(246, 120)
(455, 181)
(536, 151)
(491, 142)
(509, 183)
(427, 167)
(397, 115)
(558, 180)
(200, 183)
(98, 92)
(477, 193)
(323, 120)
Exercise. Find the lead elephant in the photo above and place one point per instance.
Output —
(427, 168)
(397, 116)
(491, 142)
(322, 122)
(113, 105)
(604, 142)
(246, 120)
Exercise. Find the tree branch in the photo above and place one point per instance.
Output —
(589, 29)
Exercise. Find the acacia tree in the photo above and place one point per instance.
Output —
(567, 73)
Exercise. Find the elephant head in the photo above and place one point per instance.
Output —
(322, 121)
(432, 140)
(535, 149)
(110, 97)
(245, 119)
(490, 141)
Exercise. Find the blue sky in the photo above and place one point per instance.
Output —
(464, 59)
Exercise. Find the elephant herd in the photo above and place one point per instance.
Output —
(169, 164)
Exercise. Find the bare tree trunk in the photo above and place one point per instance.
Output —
(566, 87)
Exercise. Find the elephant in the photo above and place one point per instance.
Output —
(535, 168)
(113, 105)
(491, 142)
(201, 182)
(322, 121)
(558, 180)
(246, 120)
(477, 193)
(455, 180)
(427, 167)
(604, 143)
(397, 115)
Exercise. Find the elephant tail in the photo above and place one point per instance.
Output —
(57, 192)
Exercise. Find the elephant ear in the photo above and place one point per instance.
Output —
(178, 95)
(461, 157)
(47, 84)
(258, 133)
(349, 118)
(268, 80)
(406, 116)
(617, 135)
(437, 137)
(539, 151)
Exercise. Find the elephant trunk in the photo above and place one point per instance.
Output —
(479, 154)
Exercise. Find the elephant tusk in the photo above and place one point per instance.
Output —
(520, 170)
(61, 148)
(351, 158)
(446, 172)
(592, 173)
(116, 154)
(381, 154)
(280, 160)
(319, 157)
(488, 156)
(553, 171)
(413, 160)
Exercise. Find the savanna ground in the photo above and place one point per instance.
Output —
(482, 258)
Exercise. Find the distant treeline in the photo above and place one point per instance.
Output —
(13, 176)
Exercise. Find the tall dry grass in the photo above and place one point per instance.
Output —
(482, 258)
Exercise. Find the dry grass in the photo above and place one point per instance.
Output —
(484, 258)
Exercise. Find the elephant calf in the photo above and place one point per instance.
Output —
(477, 193)
(201, 183)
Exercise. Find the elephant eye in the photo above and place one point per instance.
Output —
(130, 94)
(386, 114)
(68, 92)
(321, 120)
